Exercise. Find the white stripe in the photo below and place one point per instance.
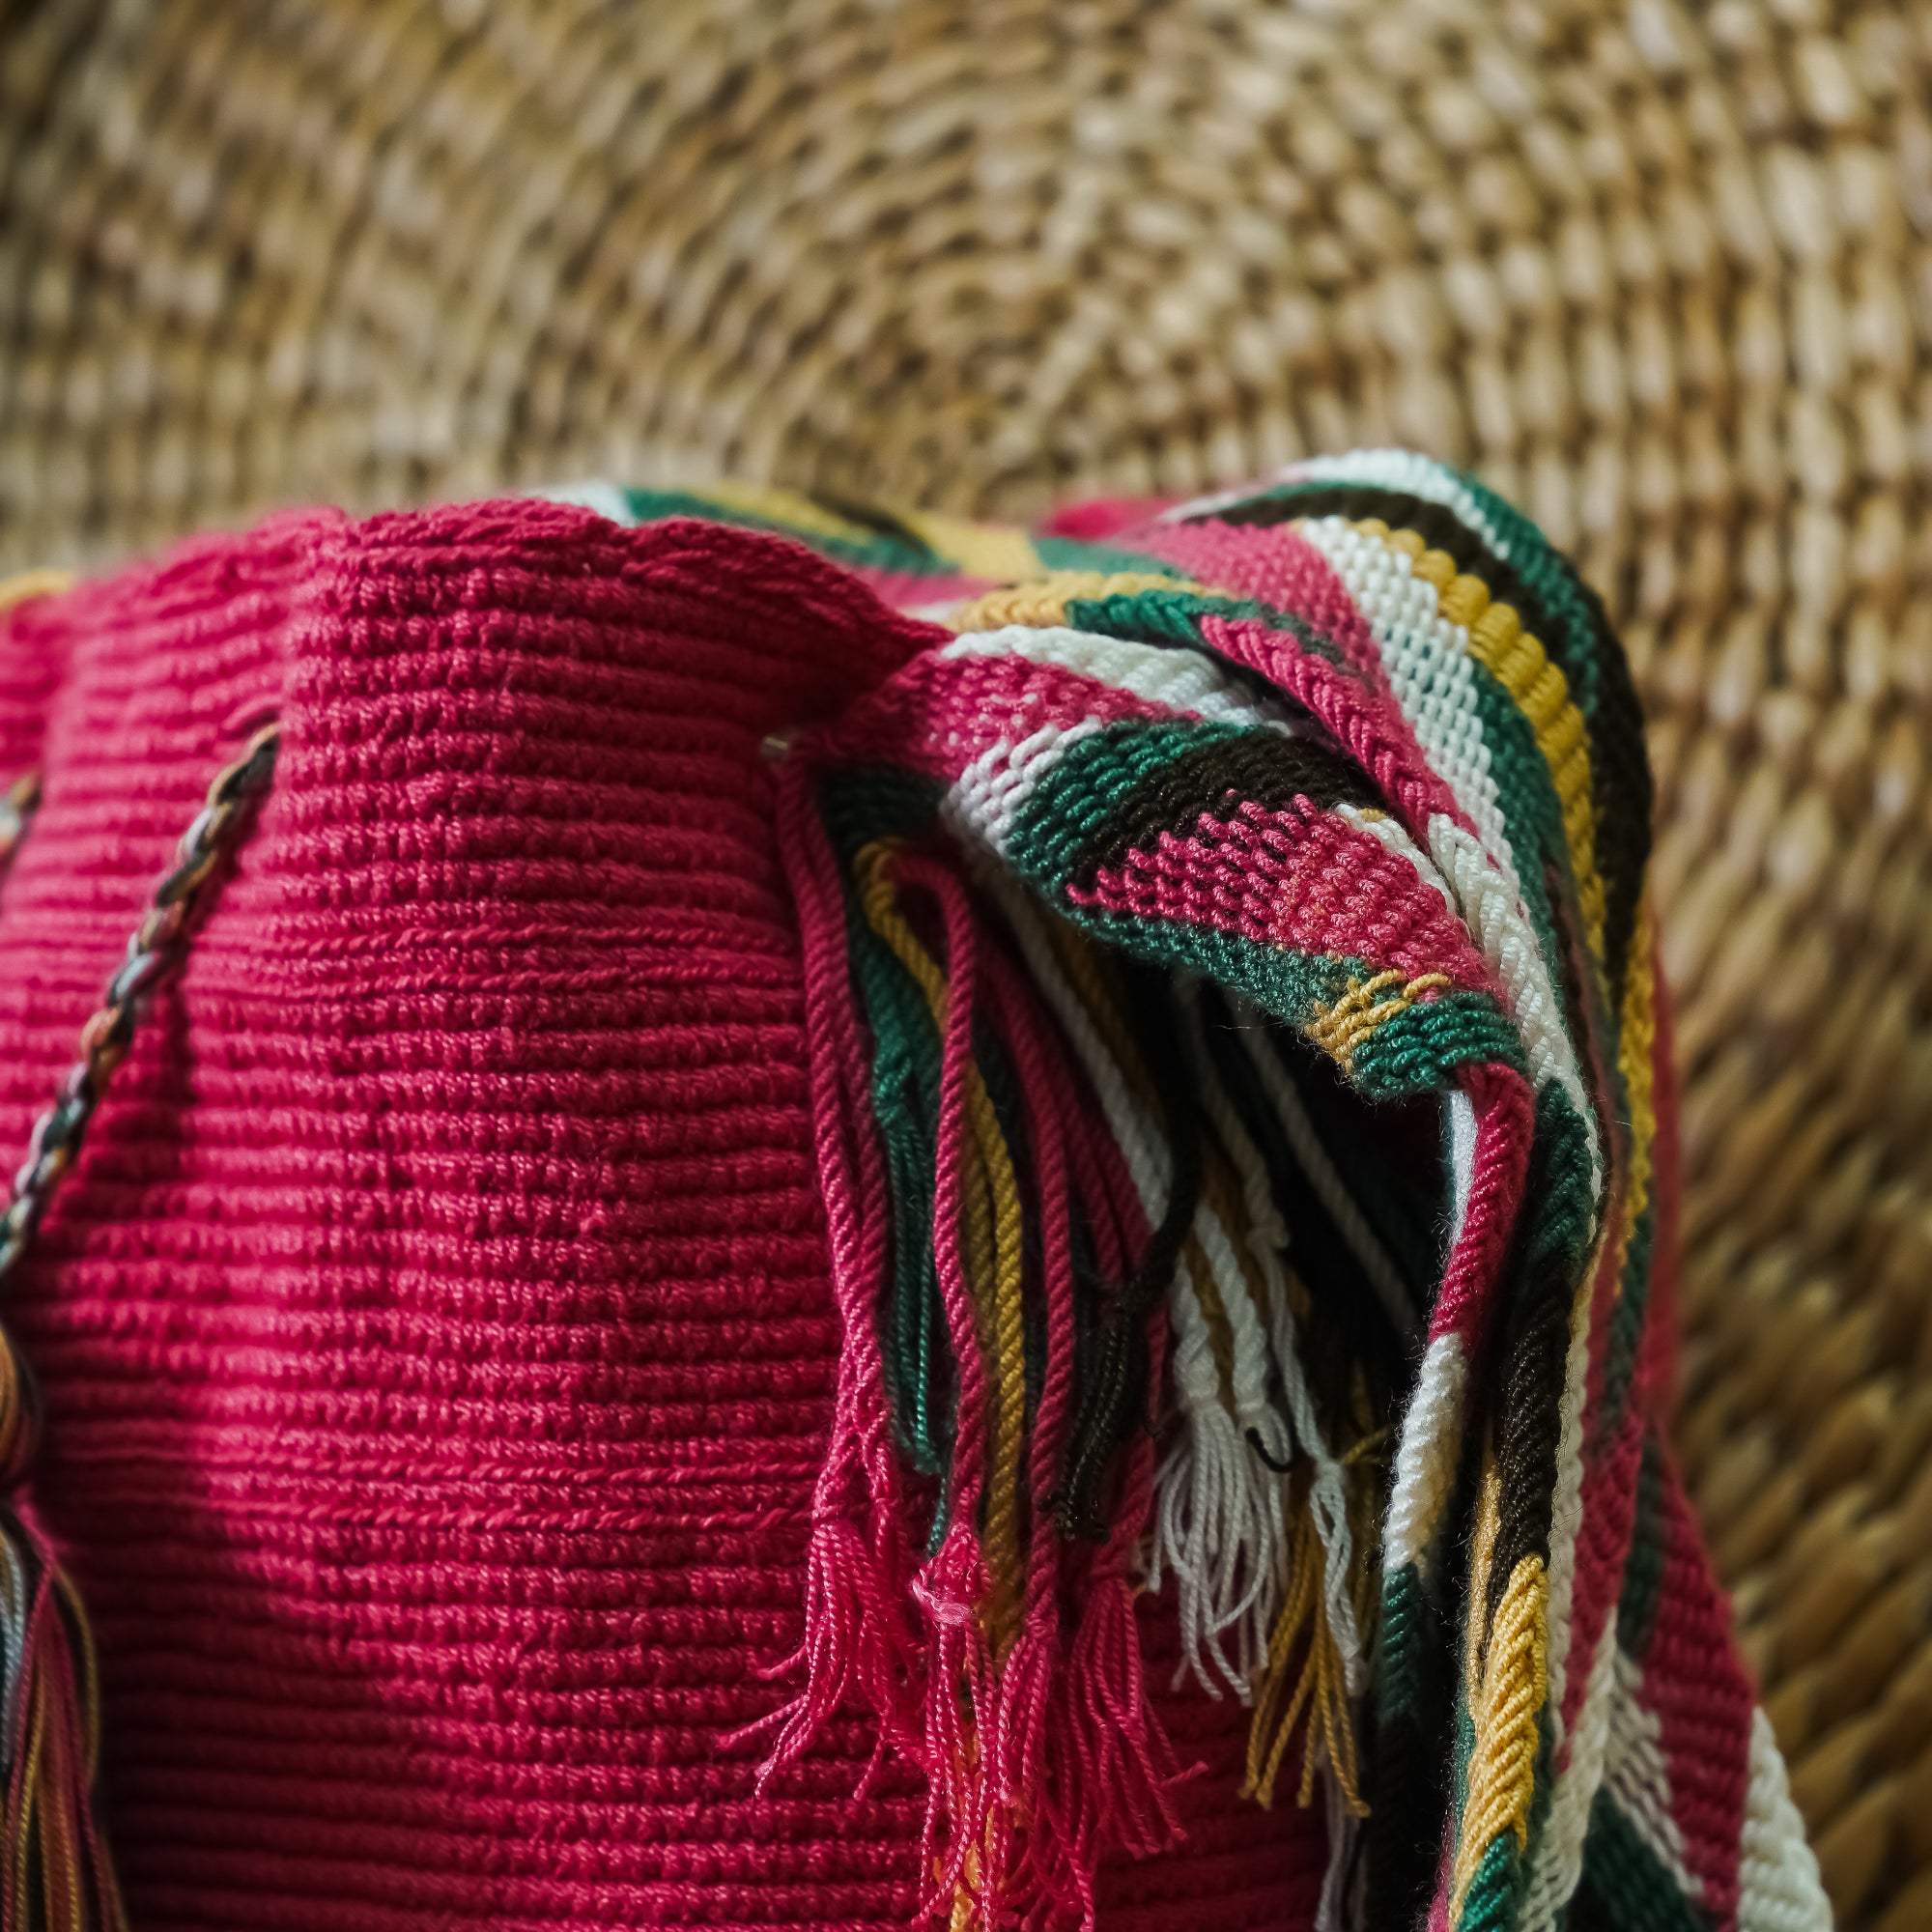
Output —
(1462, 1159)
(1398, 470)
(1410, 475)
(1432, 675)
(1179, 679)
(1425, 1462)
(1499, 921)
(1429, 665)
(1778, 1889)
(606, 498)
(1636, 1775)
(1557, 1862)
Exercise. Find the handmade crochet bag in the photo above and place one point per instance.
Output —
(810, 1217)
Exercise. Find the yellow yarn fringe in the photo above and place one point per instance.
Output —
(1303, 1674)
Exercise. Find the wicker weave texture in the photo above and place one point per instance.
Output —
(1660, 273)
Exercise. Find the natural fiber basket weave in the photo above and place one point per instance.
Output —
(1662, 273)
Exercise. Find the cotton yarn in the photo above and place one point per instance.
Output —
(1233, 1084)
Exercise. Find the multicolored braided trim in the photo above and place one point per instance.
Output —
(1244, 1103)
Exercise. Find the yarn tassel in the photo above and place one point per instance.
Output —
(965, 1599)
(1046, 1088)
(1108, 1753)
(1108, 1750)
(1110, 1790)
(1039, 1741)
(1267, 1238)
(1305, 1687)
(1306, 1679)
(1108, 1770)
(1040, 1749)
(1213, 1516)
(56, 1871)
(1031, 1665)
(857, 1640)
(1214, 1511)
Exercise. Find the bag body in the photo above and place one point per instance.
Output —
(528, 1409)
(435, 1339)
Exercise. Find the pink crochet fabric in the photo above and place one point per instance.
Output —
(435, 1337)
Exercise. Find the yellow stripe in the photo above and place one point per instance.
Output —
(1045, 600)
(1341, 1029)
(1489, 1518)
(1636, 1050)
(32, 584)
(1502, 1766)
(1538, 689)
(994, 1255)
(998, 550)
(974, 550)
(787, 507)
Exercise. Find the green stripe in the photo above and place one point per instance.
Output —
(1404, 1610)
(1065, 812)
(1069, 553)
(1173, 616)
(1643, 1566)
(878, 552)
(1490, 1905)
(1624, 1885)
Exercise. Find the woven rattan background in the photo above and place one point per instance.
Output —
(1663, 272)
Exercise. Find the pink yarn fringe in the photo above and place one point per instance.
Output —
(1042, 1761)
(858, 1639)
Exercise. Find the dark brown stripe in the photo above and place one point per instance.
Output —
(1250, 767)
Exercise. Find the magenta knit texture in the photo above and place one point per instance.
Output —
(436, 1335)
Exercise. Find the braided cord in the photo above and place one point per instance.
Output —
(17, 805)
(54, 1866)
(153, 952)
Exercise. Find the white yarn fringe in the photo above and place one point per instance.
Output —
(1268, 1240)
(1219, 1527)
